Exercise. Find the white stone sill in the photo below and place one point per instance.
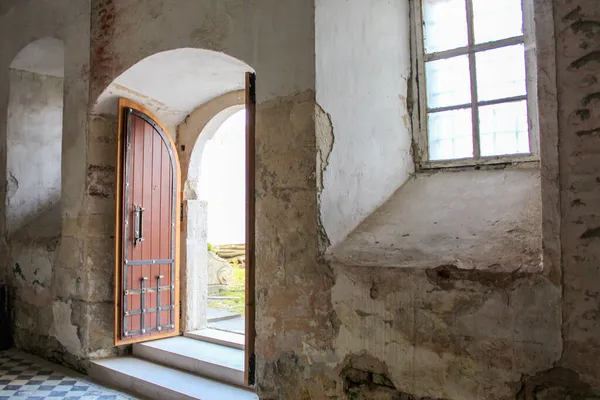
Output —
(470, 219)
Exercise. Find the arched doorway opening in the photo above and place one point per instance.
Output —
(171, 89)
(218, 178)
(33, 174)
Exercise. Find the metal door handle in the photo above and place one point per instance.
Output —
(138, 224)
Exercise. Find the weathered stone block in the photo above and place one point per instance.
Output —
(101, 326)
(71, 283)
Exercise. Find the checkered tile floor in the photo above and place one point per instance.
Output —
(24, 377)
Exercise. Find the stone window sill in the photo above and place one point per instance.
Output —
(479, 219)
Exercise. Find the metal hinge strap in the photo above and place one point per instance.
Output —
(251, 369)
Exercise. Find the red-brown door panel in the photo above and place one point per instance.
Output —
(148, 229)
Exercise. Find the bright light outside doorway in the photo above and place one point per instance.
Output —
(223, 178)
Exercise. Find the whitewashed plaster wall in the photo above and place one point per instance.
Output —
(34, 145)
(35, 114)
(363, 69)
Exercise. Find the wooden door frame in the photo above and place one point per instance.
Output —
(250, 334)
(118, 282)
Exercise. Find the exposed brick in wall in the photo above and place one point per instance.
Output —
(102, 60)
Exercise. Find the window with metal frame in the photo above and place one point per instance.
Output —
(472, 77)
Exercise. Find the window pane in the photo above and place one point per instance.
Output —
(444, 24)
(448, 82)
(503, 129)
(450, 134)
(497, 19)
(501, 73)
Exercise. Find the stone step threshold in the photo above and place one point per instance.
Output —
(155, 381)
(217, 336)
(200, 358)
(216, 315)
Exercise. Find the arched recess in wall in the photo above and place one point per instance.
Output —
(177, 86)
(34, 147)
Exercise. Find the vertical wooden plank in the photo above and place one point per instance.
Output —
(155, 224)
(250, 336)
(165, 217)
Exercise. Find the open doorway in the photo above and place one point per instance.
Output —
(222, 187)
(219, 223)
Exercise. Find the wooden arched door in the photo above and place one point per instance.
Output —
(147, 234)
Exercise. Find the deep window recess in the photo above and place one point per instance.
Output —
(473, 86)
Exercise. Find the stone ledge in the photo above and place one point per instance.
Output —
(478, 219)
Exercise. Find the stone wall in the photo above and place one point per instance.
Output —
(448, 333)
(322, 330)
(577, 25)
(49, 319)
(443, 333)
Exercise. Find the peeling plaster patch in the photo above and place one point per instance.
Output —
(190, 190)
(325, 141)
(366, 377)
(289, 377)
(445, 276)
(100, 181)
(556, 383)
(215, 26)
(12, 186)
(63, 329)
(103, 61)
(18, 271)
(591, 233)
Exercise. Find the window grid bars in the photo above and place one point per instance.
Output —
(473, 73)
(471, 50)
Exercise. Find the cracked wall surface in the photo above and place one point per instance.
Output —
(449, 333)
(577, 25)
(444, 334)
(323, 331)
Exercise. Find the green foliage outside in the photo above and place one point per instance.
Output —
(237, 289)
(211, 248)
